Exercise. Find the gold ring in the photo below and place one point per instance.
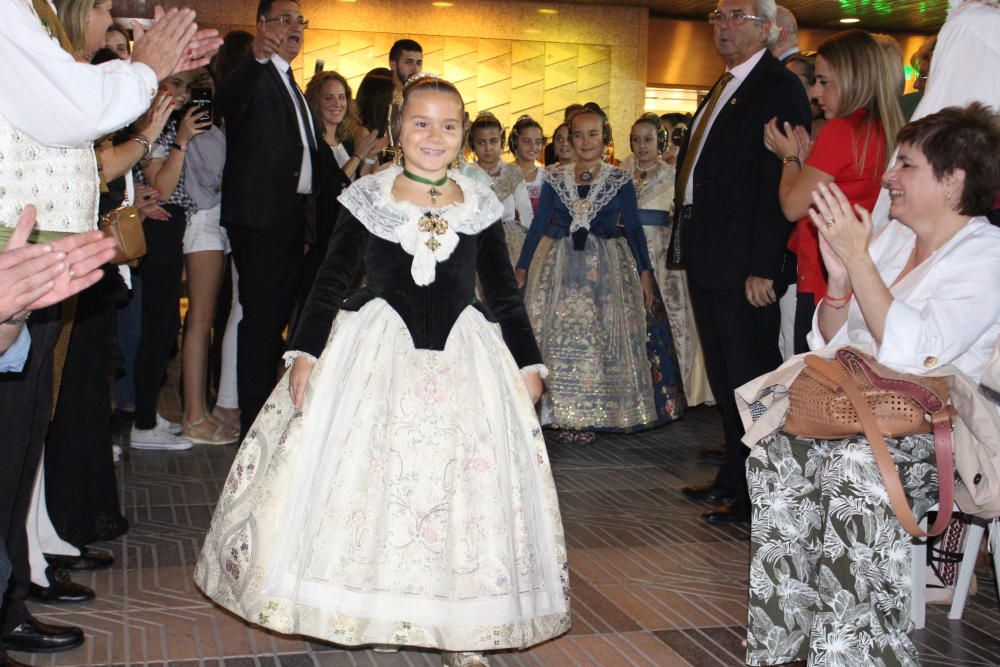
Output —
(70, 272)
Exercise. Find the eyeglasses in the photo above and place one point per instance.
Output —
(736, 17)
(288, 19)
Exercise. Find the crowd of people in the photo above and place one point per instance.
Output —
(440, 287)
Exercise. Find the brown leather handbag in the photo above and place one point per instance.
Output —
(124, 225)
(854, 394)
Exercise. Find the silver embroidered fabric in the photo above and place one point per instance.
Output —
(603, 188)
(370, 200)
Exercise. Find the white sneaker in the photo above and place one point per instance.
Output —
(167, 425)
(158, 438)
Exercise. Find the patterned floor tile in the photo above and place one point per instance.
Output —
(652, 584)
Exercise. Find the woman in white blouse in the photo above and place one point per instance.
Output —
(830, 563)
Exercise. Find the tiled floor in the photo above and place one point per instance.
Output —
(651, 583)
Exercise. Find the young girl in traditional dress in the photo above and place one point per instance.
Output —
(653, 174)
(395, 489)
(526, 142)
(486, 136)
(589, 288)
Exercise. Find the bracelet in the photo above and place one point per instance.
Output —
(833, 301)
(176, 145)
(369, 161)
(14, 320)
(147, 148)
(791, 158)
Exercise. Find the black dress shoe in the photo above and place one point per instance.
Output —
(707, 494)
(33, 636)
(88, 559)
(727, 513)
(61, 588)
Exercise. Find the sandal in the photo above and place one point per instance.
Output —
(206, 432)
(464, 659)
(229, 429)
(228, 416)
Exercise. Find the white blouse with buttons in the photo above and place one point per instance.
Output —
(945, 311)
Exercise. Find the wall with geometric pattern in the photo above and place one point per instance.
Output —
(509, 58)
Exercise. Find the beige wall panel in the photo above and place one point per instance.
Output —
(493, 96)
(494, 70)
(509, 57)
(526, 97)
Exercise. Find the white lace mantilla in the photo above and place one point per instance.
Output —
(603, 188)
(429, 241)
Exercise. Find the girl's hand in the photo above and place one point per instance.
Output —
(191, 126)
(533, 382)
(646, 279)
(150, 124)
(804, 141)
(781, 140)
(366, 146)
(521, 276)
(298, 380)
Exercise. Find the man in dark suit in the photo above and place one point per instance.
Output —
(734, 233)
(269, 190)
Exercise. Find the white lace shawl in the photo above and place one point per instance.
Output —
(603, 188)
(370, 200)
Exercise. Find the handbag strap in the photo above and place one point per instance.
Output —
(886, 466)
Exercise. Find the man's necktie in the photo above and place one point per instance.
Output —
(695, 142)
(303, 111)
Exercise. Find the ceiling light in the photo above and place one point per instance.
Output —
(850, 20)
(548, 11)
(443, 4)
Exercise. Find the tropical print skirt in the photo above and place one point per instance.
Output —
(829, 563)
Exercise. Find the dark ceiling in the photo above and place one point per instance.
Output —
(924, 16)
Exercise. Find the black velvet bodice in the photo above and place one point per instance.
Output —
(430, 311)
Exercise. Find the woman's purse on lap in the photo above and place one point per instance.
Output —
(854, 394)
(124, 225)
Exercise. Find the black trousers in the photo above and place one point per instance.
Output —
(81, 490)
(268, 262)
(805, 307)
(161, 270)
(25, 405)
(740, 342)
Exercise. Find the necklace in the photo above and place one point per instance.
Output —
(642, 177)
(434, 193)
(587, 175)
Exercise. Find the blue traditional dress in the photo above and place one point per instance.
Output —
(612, 365)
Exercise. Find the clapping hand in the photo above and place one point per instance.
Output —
(786, 140)
(844, 230)
(36, 276)
(174, 43)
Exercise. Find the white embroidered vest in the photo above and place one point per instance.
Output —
(62, 183)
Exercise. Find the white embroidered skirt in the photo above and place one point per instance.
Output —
(411, 501)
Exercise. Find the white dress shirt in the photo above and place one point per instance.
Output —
(55, 100)
(945, 311)
(740, 73)
(305, 125)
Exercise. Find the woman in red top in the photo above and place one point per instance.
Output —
(856, 89)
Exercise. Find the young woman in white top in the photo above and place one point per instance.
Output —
(329, 95)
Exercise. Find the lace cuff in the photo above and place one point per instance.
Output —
(541, 369)
(292, 355)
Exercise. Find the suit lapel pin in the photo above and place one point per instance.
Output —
(732, 101)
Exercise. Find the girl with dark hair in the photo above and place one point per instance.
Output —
(374, 104)
(591, 273)
(395, 490)
(486, 136)
(526, 142)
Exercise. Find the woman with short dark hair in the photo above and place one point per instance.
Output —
(829, 561)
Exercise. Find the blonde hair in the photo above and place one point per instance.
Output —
(865, 81)
(73, 16)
